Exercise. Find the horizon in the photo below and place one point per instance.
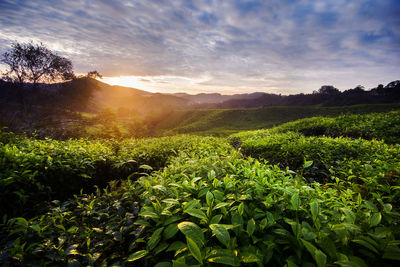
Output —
(234, 47)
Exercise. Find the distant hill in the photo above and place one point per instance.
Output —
(213, 98)
(330, 97)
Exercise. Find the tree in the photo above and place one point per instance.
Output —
(328, 90)
(359, 89)
(35, 63)
(94, 74)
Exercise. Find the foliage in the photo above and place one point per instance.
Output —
(335, 160)
(35, 63)
(215, 210)
(94, 74)
(317, 201)
(383, 126)
(36, 170)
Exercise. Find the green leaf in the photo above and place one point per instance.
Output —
(137, 255)
(176, 246)
(290, 263)
(211, 175)
(36, 228)
(221, 233)
(359, 199)
(194, 249)
(21, 221)
(328, 246)
(216, 219)
(371, 206)
(71, 250)
(223, 256)
(220, 205)
(241, 208)
(320, 258)
(197, 213)
(191, 204)
(347, 263)
(142, 222)
(349, 215)
(392, 253)
(314, 210)
(160, 248)
(209, 198)
(310, 247)
(307, 164)
(248, 257)
(366, 245)
(295, 200)
(179, 264)
(149, 214)
(170, 231)
(155, 238)
(145, 167)
(387, 207)
(171, 201)
(263, 223)
(251, 226)
(375, 219)
(193, 231)
(73, 229)
(172, 219)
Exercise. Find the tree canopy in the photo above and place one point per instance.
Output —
(94, 74)
(35, 63)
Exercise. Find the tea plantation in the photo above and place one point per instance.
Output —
(314, 192)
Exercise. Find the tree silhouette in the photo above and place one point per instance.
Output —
(34, 63)
(94, 74)
(328, 90)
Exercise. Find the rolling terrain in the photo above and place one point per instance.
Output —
(226, 121)
(322, 191)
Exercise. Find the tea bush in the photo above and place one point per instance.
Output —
(270, 197)
(36, 170)
(382, 126)
(339, 160)
(214, 210)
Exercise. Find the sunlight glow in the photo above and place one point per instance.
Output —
(128, 81)
(180, 84)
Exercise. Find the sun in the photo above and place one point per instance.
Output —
(128, 81)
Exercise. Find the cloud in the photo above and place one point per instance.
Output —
(286, 46)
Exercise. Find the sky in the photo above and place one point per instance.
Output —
(225, 46)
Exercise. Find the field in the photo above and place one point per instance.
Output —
(319, 191)
(223, 122)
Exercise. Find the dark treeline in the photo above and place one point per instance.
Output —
(327, 95)
(30, 107)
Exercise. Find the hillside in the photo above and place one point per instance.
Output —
(213, 98)
(119, 97)
(91, 108)
(226, 121)
(89, 95)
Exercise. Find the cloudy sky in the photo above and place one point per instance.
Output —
(285, 46)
